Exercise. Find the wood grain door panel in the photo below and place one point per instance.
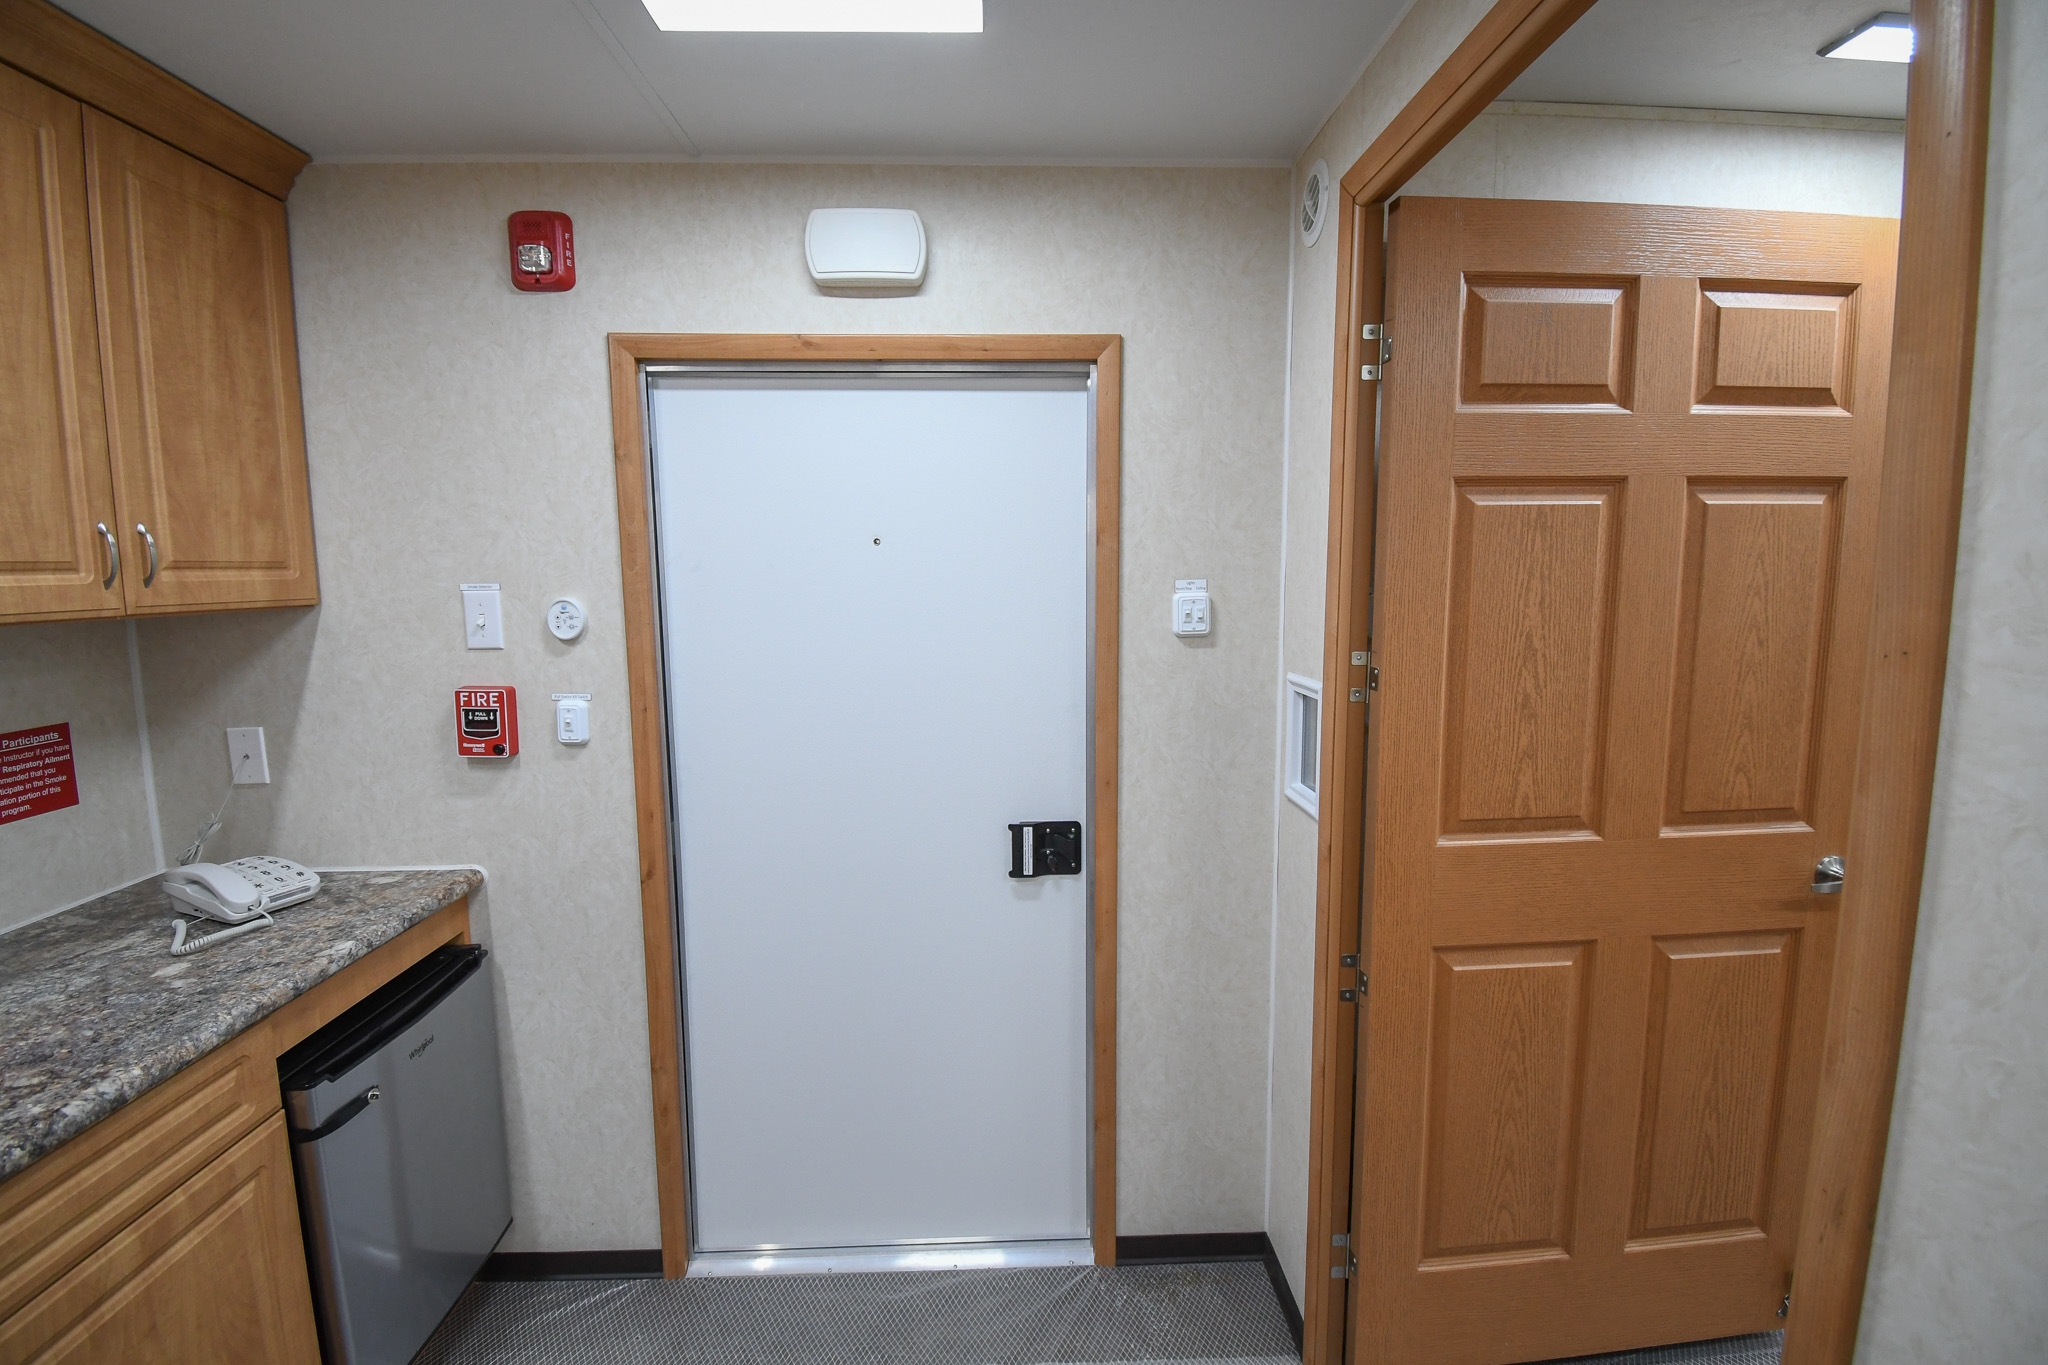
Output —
(53, 444)
(1548, 342)
(1532, 587)
(1507, 1053)
(204, 417)
(1753, 631)
(1720, 1024)
(1776, 344)
(1627, 486)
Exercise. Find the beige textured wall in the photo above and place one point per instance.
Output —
(459, 431)
(77, 671)
(1962, 1239)
(1702, 157)
(1513, 151)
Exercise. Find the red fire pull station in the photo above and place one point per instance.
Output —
(543, 251)
(486, 722)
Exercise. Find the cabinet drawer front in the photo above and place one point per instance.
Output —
(60, 1210)
(214, 1272)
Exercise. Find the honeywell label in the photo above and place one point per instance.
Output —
(36, 774)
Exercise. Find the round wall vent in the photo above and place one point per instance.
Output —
(1315, 202)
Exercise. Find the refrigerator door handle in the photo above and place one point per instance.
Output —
(338, 1117)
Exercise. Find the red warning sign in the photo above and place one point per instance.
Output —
(36, 775)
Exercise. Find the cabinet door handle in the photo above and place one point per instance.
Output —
(113, 554)
(150, 541)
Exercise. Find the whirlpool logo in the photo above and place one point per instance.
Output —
(414, 1055)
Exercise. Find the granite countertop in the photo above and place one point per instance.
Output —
(94, 1010)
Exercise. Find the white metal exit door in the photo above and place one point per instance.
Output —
(874, 595)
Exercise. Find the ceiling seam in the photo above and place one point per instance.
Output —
(635, 76)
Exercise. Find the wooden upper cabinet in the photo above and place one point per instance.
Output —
(54, 561)
(202, 380)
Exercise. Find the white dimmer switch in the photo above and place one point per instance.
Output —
(1191, 606)
(483, 623)
(572, 717)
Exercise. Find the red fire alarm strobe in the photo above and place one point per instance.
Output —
(486, 722)
(543, 251)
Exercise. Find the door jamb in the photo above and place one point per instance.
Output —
(630, 456)
(1920, 503)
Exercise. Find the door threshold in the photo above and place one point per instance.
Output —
(915, 1256)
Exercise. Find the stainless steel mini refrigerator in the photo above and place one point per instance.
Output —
(397, 1123)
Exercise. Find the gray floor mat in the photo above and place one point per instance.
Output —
(1186, 1313)
(1763, 1348)
(1210, 1314)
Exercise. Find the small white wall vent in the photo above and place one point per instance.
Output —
(1315, 201)
(1304, 740)
(865, 248)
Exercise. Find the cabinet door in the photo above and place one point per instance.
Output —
(54, 562)
(209, 450)
(215, 1272)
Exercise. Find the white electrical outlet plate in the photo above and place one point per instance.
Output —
(247, 760)
(483, 621)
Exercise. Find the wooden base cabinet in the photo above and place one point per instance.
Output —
(169, 1230)
(214, 1272)
(152, 449)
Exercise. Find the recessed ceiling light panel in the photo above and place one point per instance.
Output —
(816, 16)
(1885, 38)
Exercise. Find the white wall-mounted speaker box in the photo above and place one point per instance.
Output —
(865, 248)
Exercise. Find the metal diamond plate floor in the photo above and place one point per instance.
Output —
(1764, 1348)
(1221, 1312)
(1208, 1314)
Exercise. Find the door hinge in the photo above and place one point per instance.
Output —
(1785, 1304)
(1373, 331)
(1347, 1271)
(1349, 963)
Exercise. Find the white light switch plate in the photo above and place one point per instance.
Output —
(1191, 606)
(248, 763)
(483, 621)
(572, 717)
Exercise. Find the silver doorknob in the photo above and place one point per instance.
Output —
(1827, 875)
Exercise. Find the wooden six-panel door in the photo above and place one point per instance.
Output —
(1627, 502)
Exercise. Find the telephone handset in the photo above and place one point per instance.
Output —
(241, 893)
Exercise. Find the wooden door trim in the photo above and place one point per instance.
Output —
(1499, 48)
(630, 455)
(58, 50)
(1510, 36)
(1927, 424)
(1941, 235)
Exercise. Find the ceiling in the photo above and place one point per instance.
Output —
(1124, 81)
(1726, 54)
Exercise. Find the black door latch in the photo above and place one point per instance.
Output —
(1045, 848)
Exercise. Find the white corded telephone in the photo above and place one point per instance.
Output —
(241, 894)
